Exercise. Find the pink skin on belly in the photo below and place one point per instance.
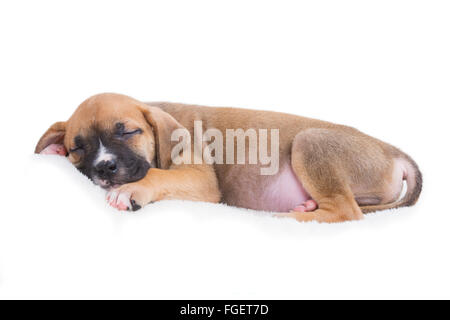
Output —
(286, 193)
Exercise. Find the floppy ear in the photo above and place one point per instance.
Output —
(163, 125)
(52, 142)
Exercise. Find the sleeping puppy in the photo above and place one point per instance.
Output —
(305, 168)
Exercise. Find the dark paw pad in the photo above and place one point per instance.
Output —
(135, 206)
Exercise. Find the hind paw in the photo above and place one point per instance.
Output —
(307, 206)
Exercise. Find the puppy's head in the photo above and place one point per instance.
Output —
(113, 139)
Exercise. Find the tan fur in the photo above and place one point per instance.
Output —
(337, 165)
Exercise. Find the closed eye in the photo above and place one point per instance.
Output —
(75, 149)
(128, 134)
(78, 145)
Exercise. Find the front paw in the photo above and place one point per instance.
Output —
(128, 197)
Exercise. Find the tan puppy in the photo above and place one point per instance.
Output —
(325, 172)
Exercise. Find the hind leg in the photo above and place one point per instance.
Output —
(316, 160)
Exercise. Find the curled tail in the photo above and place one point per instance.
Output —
(413, 177)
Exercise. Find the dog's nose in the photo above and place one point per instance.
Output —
(106, 168)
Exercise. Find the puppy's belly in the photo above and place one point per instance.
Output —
(284, 193)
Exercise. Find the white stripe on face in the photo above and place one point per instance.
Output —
(103, 154)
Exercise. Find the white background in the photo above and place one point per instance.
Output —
(381, 66)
